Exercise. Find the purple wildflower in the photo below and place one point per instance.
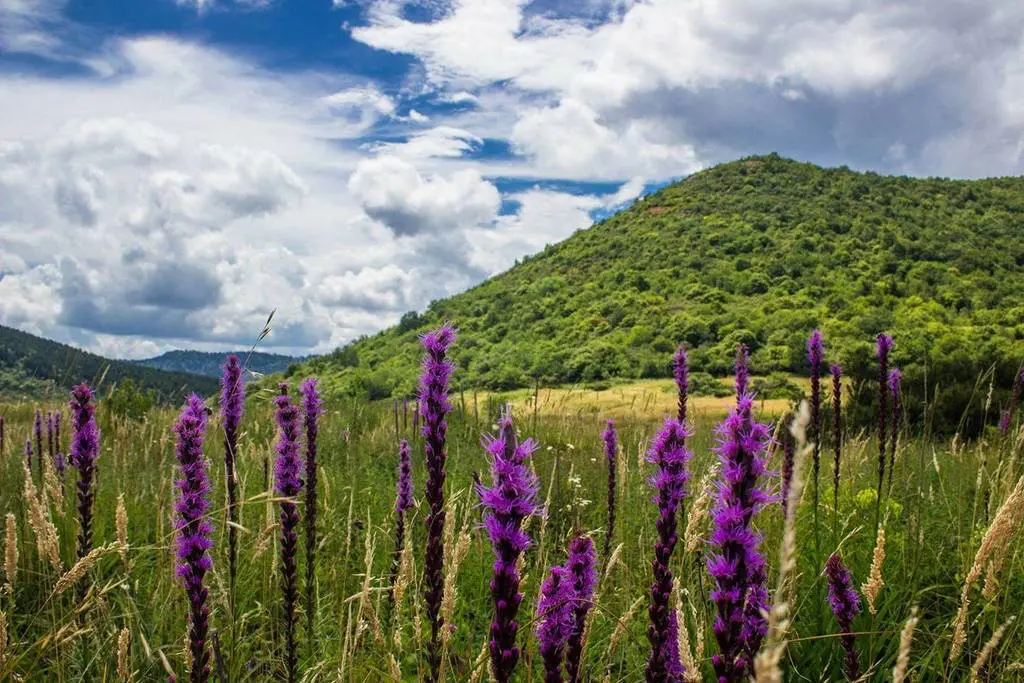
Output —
(555, 619)
(435, 406)
(669, 453)
(883, 346)
(403, 501)
(581, 564)
(1004, 422)
(509, 500)
(59, 461)
(84, 449)
(232, 403)
(193, 530)
(896, 395)
(312, 406)
(611, 453)
(737, 566)
(28, 454)
(37, 429)
(837, 433)
(845, 606)
(288, 483)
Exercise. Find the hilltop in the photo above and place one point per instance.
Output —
(209, 364)
(31, 366)
(759, 251)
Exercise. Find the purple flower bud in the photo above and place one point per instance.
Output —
(555, 620)
(681, 374)
(37, 428)
(193, 529)
(883, 346)
(582, 565)
(815, 354)
(742, 365)
(737, 565)
(403, 490)
(1004, 422)
(669, 453)
(434, 407)
(84, 449)
(896, 395)
(837, 432)
(403, 501)
(845, 606)
(288, 483)
(611, 452)
(312, 406)
(232, 403)
(510, 500)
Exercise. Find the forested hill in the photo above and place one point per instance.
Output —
(209, 364)
(759, 251)
(33, 366)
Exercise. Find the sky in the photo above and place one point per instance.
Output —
(173, 170)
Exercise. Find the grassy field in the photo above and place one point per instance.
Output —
(944, 497)
(639, 399)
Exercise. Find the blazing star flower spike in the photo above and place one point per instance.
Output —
(193, 530)
(581, 564)
(84, 450)
(510, 500)
(845, 605)
(232, 404)
(434, 409)
(736, 563)
(555, 619)
(288, 483)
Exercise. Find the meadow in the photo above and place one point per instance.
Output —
(951, 509)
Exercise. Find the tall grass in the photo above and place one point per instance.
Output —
(942, 553)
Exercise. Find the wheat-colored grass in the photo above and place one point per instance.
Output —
(873, 586)
(899, 672)
(1000, 532)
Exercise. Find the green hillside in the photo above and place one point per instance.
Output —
(209, 364)
(31, 366)
(759, 251)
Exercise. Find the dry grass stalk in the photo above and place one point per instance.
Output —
(47, 543)
(80, 569)
(767, 664)
(458, 552)
(999, 533)
(121, 522)
(694, 534)
(11, 552)
(481, 663)
(698, 623)
(394, 669)
(621, 625)
(3, 636)
(405, 574)
(613, 561)
(123, 672)
(52, 484)
(986, 652)
(899, 672)
(873, 586)
(691, 670)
